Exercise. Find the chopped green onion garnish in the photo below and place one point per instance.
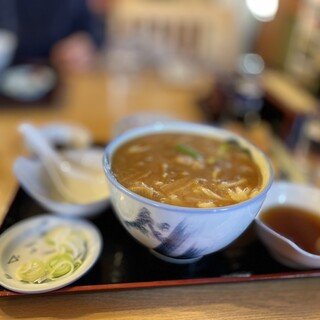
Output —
(189, 151)
(60, 265)
(224, 147)
(70, 249)
(32, 271)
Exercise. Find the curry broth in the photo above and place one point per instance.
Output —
(187, 170)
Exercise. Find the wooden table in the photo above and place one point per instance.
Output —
(85, 100)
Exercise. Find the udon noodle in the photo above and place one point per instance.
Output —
(187, 170)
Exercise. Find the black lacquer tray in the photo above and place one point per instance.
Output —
(126, 264)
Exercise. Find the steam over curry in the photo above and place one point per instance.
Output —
(187, 170)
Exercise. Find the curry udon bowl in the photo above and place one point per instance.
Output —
(173, 232)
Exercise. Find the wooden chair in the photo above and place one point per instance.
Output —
(198, 30)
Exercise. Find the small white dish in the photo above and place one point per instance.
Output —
(27, 82)
(67, 134)
(285, 251)
(34, 179)
(182, 74)
(139, 120)
(75, 182)
(39, 239)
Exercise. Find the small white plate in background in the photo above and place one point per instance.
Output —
(27, 83)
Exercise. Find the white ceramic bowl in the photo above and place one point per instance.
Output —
(283, 193)
(34, 179)
(139, 120)
(192, 232)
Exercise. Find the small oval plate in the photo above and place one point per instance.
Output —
(26, 240)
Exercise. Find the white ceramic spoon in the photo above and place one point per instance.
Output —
(35, 181)
(74, 183)
(67, 134)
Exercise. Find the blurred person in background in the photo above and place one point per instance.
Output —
(64, 33)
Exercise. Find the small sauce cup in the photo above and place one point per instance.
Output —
(306, 199)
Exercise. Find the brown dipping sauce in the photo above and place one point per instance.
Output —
(299, 225)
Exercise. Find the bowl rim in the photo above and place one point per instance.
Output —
(288, 187)
(181, 126)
